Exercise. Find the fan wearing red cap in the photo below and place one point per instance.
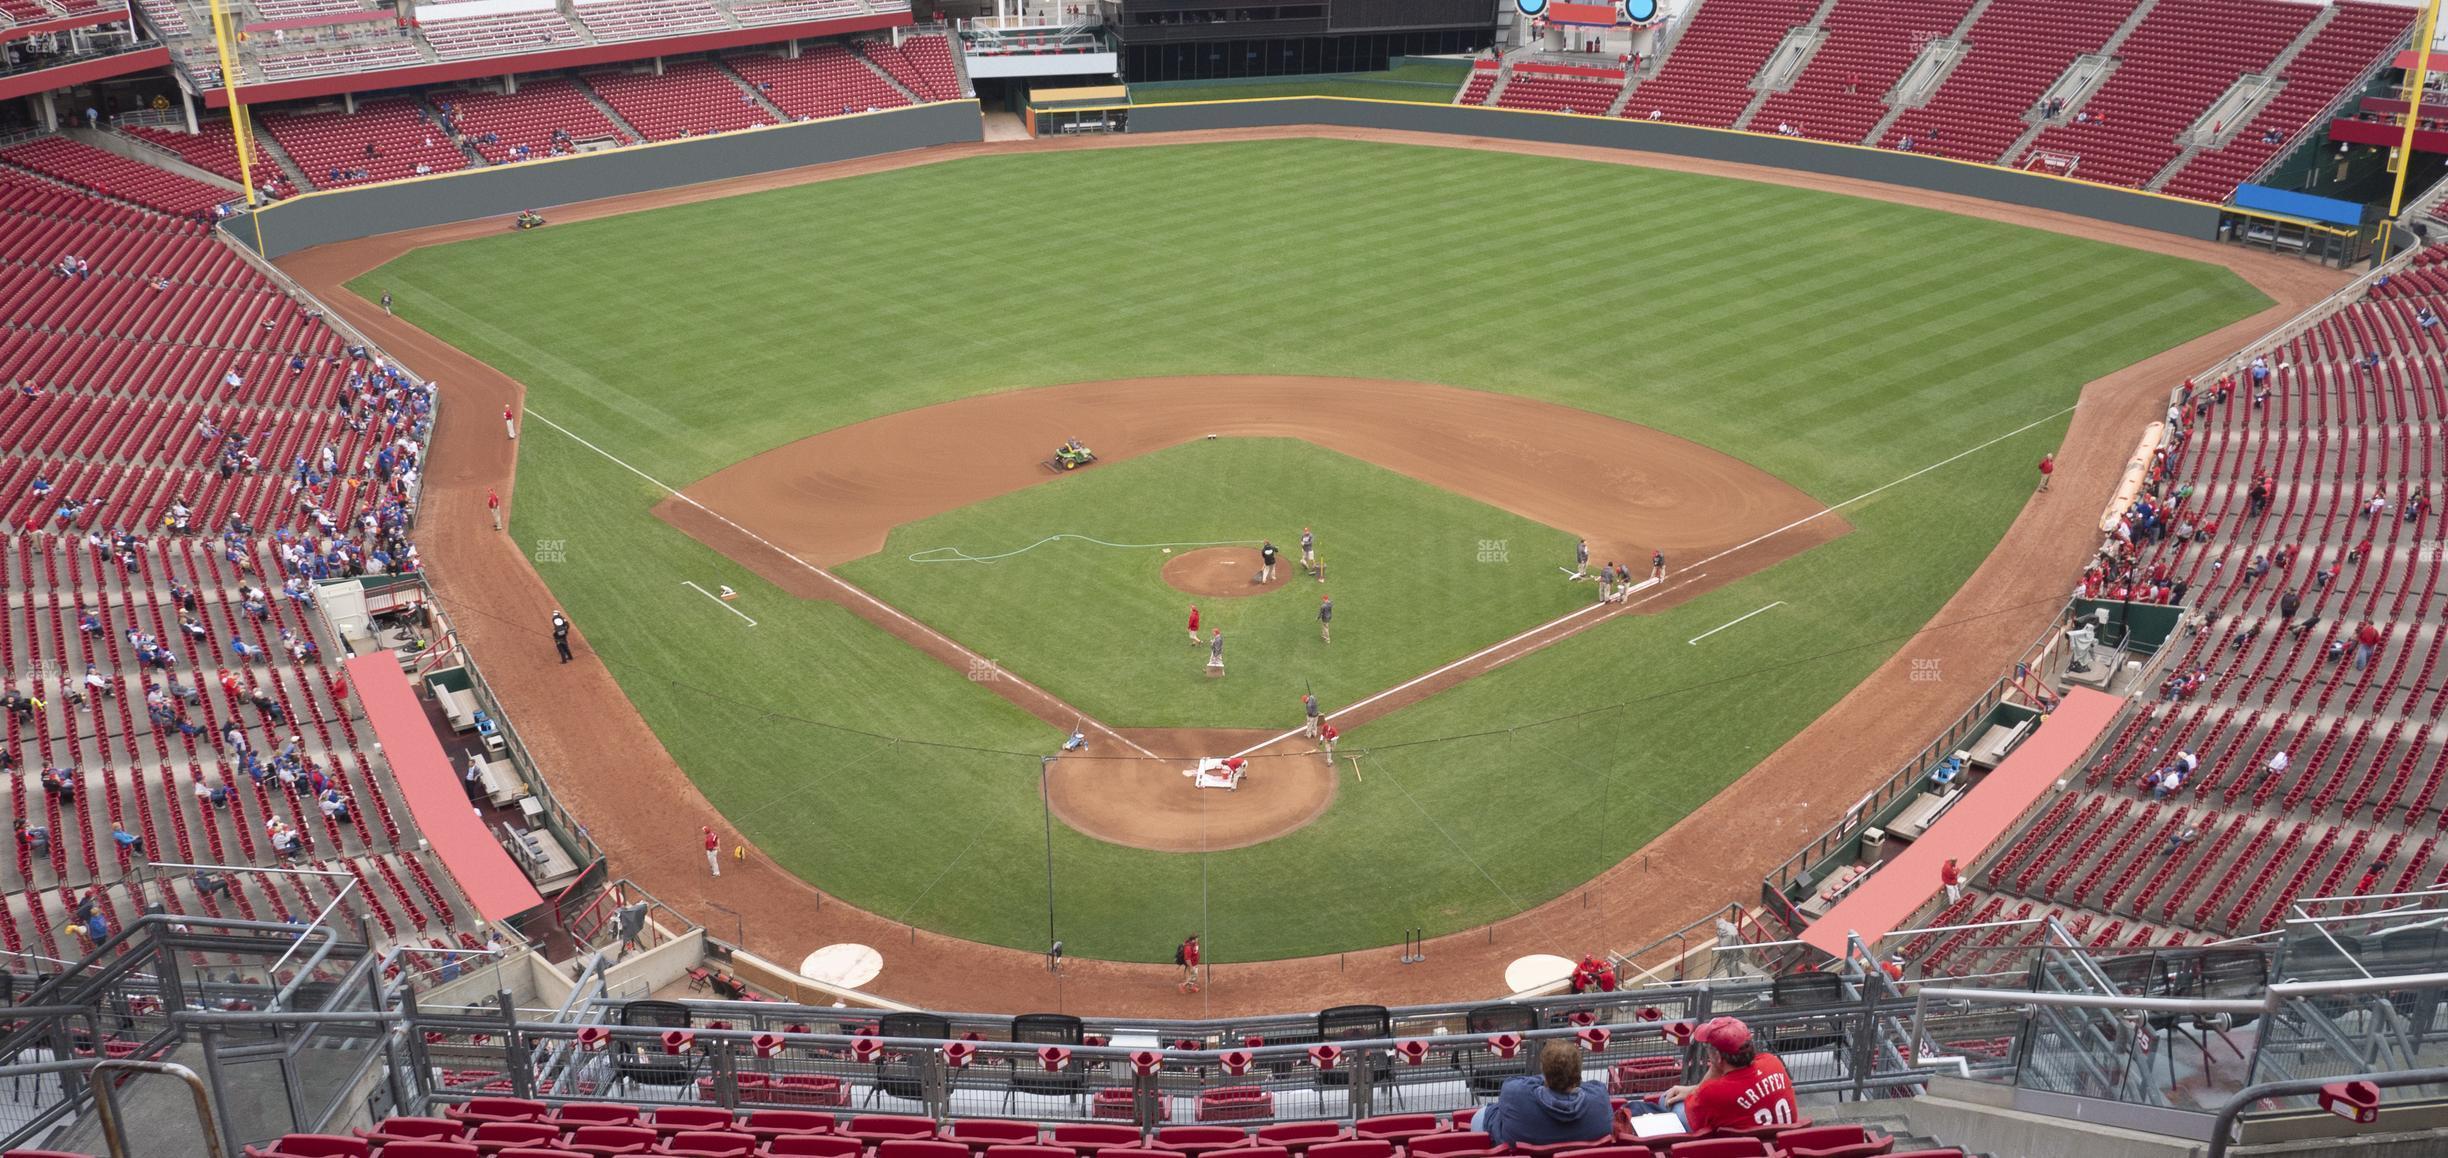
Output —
(1743, 1087)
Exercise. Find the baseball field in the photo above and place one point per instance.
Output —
(857, 378)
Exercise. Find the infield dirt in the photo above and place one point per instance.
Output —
(646, 818)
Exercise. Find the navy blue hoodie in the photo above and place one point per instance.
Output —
(1526, 1111)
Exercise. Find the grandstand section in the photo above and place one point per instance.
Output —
(2320, 768)
(1706, 79)
(686, 100)
(542, 119)
(381, 141)
(1838, 96)
(2168, 71)
(2191, 835)
(2017, 50)
(183, 700)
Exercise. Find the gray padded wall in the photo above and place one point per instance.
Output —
(2124, 207)
(500, 191)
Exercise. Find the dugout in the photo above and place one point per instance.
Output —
(2281, 220)
(1103, 108)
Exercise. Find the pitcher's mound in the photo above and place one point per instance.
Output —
(1222, 571)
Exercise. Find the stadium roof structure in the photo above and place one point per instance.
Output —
(418, 63)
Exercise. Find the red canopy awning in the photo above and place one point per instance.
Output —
(1880, 904)
(491, 880)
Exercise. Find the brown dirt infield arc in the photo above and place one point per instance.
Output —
(1221, 573)
(609, 768)
(1627, 488)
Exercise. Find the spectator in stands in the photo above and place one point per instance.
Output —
(334, 805)
(2288, 605)
(209, 795)
(206, 884)
(1554, 1105)
(127, 840)
(1743, 1088)
(1952, 877)
(2181, 839)
(2367, 642)
(33, 838)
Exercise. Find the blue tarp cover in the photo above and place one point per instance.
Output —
(2326, 210)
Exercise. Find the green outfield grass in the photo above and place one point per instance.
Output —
(1418, 81)
(1862, 343)
(1099, 627)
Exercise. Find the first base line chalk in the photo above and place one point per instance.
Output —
(1695, 640)
(718, 601)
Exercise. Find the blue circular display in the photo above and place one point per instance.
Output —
(1531, 7)
(1640, 11)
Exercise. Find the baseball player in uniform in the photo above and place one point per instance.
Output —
(1581, 559)
(1308, 551)
(1326, 618)
(1657, 565)
(1266, 562)
(1215, 651)
(1194, 625)
(1309, 708)
(1606, 583)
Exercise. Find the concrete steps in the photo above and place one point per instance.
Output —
(2039, 124)
(605, 107)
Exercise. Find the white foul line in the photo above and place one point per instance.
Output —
(1415, 681)
(836, 580)
(718, 599)
(1695, 640)
(1647, 583)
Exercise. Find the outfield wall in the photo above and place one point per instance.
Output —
(1988, 182)
(320, 218)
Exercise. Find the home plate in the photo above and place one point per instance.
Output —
(846, 966)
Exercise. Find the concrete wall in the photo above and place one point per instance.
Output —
(499, 191)
(2122, 206)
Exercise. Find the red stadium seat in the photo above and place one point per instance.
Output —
(1833, 1142)
(315, 1146)
(710, 1144)
(1086, 1138)
(611, 1141)
(979, 1133)
(1297, 1137)
(478, 1111)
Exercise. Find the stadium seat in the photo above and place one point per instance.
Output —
(1297, 1137)
(1196, 1140)
(1832, 1142)
(768, 1125)
(709, 1144)
(404, 1129)
(313, 1146)
(1086, 1138)
(669, 1121)
(1451, 1144)
(610, 1141)
(478, 1111)
(572, 1115)
(1720, 1148)
(980, 1133)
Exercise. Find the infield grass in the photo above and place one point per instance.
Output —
(1855, 343)
(1098, 625)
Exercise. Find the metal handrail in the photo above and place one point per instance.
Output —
(2222, 1127)
(2271, 998)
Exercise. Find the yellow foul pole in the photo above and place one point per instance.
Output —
(224, 24)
